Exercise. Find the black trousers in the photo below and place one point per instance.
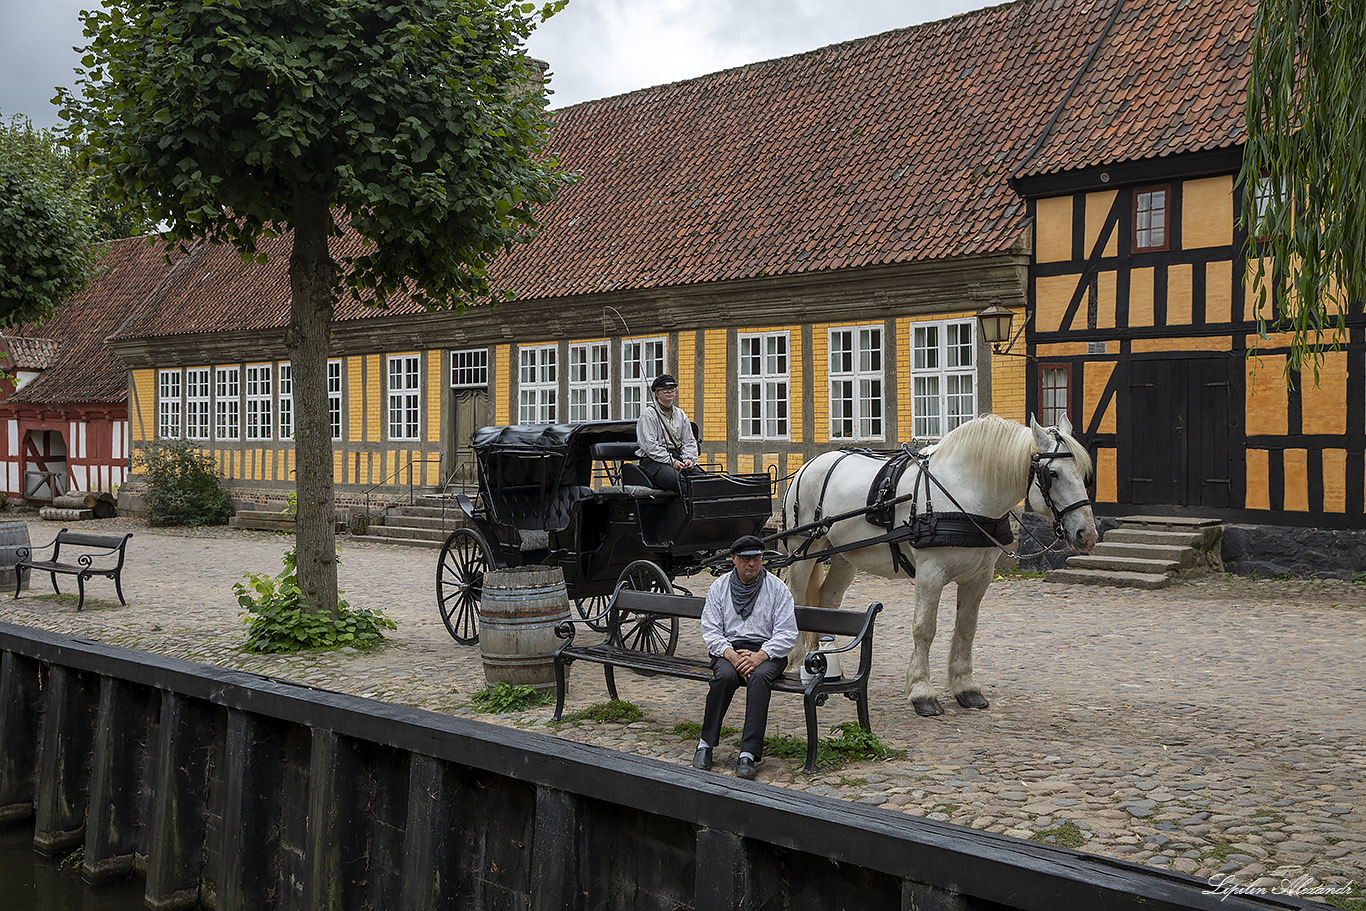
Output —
(725, 680)
(665, 477)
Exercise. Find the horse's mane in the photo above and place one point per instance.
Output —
(994, 449)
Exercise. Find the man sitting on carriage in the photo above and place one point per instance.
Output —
(666, 444)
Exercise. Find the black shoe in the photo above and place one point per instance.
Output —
(702, 758)
(745, 769)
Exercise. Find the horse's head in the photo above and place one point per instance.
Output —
(1058, 479)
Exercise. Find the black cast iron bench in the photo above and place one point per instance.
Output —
(613, 653)
(93, 547)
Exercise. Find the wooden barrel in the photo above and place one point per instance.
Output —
(13, 535)
(517, 617)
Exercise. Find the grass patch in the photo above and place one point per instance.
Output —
(1065, 835)
(504, 697)
(692, 730)
(851, 744)
(1354, 901)
(617, 711)
(1014, 572)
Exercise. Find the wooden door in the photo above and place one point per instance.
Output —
(1177, 432)
(469, 412)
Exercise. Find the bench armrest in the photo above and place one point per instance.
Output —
(816, 661)
(23, 553)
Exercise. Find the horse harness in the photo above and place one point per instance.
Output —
(928, 528)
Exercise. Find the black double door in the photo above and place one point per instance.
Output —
(1178, 430)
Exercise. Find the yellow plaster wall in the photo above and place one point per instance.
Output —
(142, 426)
(1107, 475)
(1052, 295)
(1053, 229)
(1216, 343)
(1097, 377)
(1179, 294)
(1296, 480)
(1266, 409)
(1207, 212)
(1335, 480)
(1258, 493)
(1098, 207)
(1323, 406)
(1219, 292)
(1105, 300)
(1141, 297)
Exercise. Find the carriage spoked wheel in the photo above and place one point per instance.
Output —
(460, 583)
(647, 632)
(591, 607)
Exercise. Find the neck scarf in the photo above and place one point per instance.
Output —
(742, 596)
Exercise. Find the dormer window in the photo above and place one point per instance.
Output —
(1151, 208)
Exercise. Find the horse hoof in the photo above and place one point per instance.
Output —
(972, 700)
(927, 707)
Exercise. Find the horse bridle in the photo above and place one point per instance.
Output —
(1045, 482)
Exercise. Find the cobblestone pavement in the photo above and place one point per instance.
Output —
(1215, 728)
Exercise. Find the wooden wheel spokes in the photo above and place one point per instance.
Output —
(460, 583)
(647, 632)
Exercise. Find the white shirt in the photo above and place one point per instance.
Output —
(653, 443)
(773, 621)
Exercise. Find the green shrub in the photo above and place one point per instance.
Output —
(853, 744)
(278, 620)
(182, 485)
(615, 711)
(503, 697)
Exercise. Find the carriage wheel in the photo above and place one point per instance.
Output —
(591, 607)
(647, 632)
(460, 583)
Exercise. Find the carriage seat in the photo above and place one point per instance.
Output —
(531, 508)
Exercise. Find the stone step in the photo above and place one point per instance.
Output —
(262, 522)
(404, 532)
(424, 512)
(1105, 577)
(1173, 522)
(1122, 564)
(407, 542)
(450, 522)
(1184, 556)
(1126, 535)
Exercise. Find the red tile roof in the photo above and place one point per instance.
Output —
(890, 149)
(84, 370)
(1168, 78)
(23, 353)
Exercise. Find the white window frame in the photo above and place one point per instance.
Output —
(405, 396)
(168, 404)
(227, 404)
(642, 359)
(334, 398)
(765, 380)
(857, 403)
(258, 386)
(470, 368)
(590, 383)
(198, 402)
(538, 384)
(285, 409)
(943, 356)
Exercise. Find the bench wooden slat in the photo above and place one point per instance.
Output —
(821, 621)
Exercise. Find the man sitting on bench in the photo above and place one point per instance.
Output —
(749, 625)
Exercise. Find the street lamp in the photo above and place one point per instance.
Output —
(995, 322)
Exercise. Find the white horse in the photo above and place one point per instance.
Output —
(983, 467)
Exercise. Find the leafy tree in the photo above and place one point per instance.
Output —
(419, 126)
(46, 226)
(1304, 168)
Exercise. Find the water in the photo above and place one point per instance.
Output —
(31, 882)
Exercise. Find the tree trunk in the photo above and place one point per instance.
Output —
(312, 278)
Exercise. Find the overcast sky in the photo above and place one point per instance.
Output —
(595, 48)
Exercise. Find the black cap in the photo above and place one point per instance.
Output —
(664, 379)
(747, 546)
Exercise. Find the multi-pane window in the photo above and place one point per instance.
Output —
(943, 377)
(286, 407)
(1150, 218)
(470, 368)
(589, 388)
(641, 361)
(1268, 198)
(334, 397)
(538, 385)
(404, 391)
(227, 406)
(258, 401)
(197, 403)
(856, 384)
(1055, 381)
(764, 380)
(168, 404)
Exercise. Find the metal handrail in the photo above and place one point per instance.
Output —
(385, 481)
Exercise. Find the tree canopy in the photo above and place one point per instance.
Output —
(46, 225)
(420, 126)
(1304, 171)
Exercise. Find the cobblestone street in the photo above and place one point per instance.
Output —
(1213, 728)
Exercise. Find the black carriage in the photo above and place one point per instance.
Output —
(571, 495)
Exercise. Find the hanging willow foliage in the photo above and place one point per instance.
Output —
(1305, 197)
